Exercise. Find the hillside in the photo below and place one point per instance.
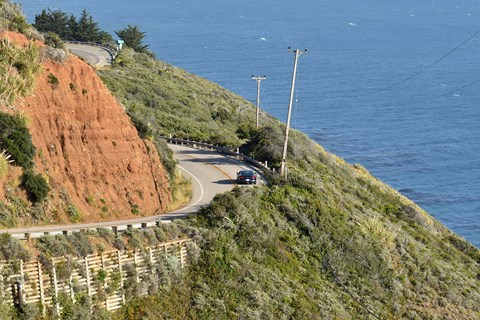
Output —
(330, 242)
(86, 147)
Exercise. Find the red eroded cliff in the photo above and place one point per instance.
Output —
(88, 148)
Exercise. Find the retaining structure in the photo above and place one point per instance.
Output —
(102, 277)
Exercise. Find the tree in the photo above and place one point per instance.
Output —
(72, 28)
(88, 29)
(133, 38)
(52, 20)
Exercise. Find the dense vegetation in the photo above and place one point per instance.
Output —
(330, 242)
(133, 38)
(16, 141)
(171, 101)
(12, 18)
(68, 27)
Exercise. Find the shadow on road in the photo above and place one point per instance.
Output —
(224, 182)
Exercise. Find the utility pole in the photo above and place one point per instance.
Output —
(258, 79)
(297, 53)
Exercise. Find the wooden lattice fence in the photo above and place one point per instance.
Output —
(105, 278)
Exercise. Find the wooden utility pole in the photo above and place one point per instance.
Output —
(258, 79)
(297, 53)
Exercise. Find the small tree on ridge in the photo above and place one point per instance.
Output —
(133, 38)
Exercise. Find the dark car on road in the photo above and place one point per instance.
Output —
(246, 176)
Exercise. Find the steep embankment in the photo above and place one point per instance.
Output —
(329, 242)
(93, 158)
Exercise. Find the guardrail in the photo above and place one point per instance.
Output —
(146, 222)
(112, 51)
(260, 165)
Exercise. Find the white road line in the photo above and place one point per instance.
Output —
(198, 181)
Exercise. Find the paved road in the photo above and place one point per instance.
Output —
(96, 56)
(210, 173)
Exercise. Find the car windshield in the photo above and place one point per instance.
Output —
(246, 173)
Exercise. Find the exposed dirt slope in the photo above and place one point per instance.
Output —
(88, 147)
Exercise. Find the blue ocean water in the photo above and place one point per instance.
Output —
(356, 93)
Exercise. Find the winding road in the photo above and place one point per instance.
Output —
(96, 56)
(209, 172)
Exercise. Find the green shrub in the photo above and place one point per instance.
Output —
(135, 210)
(11, 249)
(16, 140)
(53, 40)
(144, 130)
(52, 79)
(36, 186)
(73, 213)
(90, 199)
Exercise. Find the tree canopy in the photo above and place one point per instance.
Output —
(133, 38)
(68, 27)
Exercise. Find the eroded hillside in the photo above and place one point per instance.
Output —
(95, 163)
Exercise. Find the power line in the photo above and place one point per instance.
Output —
(416, 73)
(440, 95)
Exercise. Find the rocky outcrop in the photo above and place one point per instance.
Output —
(88, 148)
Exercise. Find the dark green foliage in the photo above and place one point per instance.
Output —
(16, 140)
(11, 249)
(36, 186)
(68, 27)
(52, 79)
(86, 29)
(133, 38)
(266, 144)
(55, 21)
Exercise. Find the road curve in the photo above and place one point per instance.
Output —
(209, 172)
(96, 56)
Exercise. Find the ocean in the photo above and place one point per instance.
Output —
(391, 85)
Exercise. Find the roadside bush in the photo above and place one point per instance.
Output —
(11, 249)
(144, 130)
(36, 186)
(73, 213)
(16, 140)
(266, 144)
(166, 156)
(53, 40)
(80, 243)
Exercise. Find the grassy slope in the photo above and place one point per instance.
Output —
(331, 242)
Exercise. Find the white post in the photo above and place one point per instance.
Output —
(258, 79)
(298, 53)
